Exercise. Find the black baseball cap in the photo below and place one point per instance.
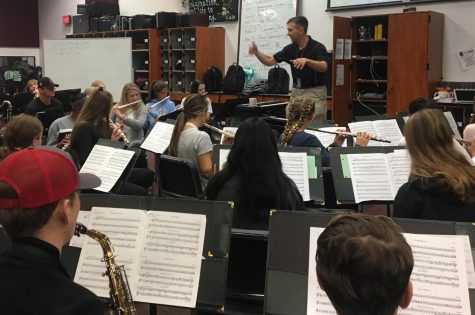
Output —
(46, 83)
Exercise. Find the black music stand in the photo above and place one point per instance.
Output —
(287, 257)
(212, 286)
(343, 186)
(315, 183)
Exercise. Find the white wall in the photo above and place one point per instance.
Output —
(459, 25)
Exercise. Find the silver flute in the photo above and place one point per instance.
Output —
(216, 129)
(350, 134)
(122, 134)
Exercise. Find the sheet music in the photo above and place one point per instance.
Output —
(170, 263)
(399, 165)
(124, 228)
(369, 177)
(223, 157)
(453, 124)
(367, 126)
(468, 258)
(439, 276)
(317, 300)
(108, 164)
(294, 165)
(159, 138)
(78, 241)
(326, 138)
(388, 129)
(231, 130)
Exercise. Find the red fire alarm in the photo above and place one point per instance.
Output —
(66, 19)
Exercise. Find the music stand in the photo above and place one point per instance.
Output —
(288, 257)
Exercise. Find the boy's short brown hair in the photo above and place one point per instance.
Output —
(364, 264)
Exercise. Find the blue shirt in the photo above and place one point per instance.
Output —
(161, 109)
(303, 139)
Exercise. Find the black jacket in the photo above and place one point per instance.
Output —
(33, 281)
(431, 199)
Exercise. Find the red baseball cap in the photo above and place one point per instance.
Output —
(41, 176)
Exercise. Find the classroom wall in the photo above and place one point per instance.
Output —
(459, 25)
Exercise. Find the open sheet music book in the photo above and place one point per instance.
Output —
(377, 176)
(161, 252)
(439, 276)
(159, 138)
(295, 165)
(108, 164)
(388, 129)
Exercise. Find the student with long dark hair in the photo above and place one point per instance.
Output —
(253, 178)
(187, 141)
(441, 185)
(21, 132)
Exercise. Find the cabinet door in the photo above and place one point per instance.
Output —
(407, 59)
(341, 87)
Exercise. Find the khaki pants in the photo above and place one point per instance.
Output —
(319, 93)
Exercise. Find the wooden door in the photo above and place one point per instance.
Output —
(407, 59)
(341, 94)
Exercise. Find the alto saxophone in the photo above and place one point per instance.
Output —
(121, 298)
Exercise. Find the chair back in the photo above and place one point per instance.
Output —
(179, 178)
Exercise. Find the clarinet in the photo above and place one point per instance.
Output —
(120, 295)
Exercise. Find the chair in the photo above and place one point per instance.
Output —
(178, 178)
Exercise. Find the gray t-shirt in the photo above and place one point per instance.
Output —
(192, 144)
(62, 123)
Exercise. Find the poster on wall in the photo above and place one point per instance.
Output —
(217, 10)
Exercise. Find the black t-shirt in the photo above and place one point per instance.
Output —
(45, 113)
(308, 77)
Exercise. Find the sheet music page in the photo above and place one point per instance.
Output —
(468, 258)
(317, 300)
(367, 126)
(125, 230)
(399, 165)
(294, 165)
(223, 157)
(439, 276)
(326, 138)
(170, 262)
(159, 138)
(78, 241)
(453, 124)
(108, 164)
(231, 130)
(370, 177)
(388, 129)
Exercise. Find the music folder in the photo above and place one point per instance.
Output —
(309, 179)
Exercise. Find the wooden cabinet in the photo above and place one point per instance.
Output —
(145, 53)
(187, 52)
(394, 59)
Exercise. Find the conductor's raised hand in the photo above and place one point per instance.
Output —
(253, 49)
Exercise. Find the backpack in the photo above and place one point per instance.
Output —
(278, 81)
(213, 79)
(234, 79)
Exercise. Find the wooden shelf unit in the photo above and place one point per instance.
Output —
(404, 65)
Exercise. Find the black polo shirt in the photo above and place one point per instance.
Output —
(308, 77)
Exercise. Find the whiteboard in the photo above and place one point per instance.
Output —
(76, 63)
(264, 22)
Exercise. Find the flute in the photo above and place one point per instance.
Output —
(126, 105)
(350, 134)
(155, 104)
(225, 133)
(462, 141)
(122, 134)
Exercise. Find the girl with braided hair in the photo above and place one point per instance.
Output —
(300, 114)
